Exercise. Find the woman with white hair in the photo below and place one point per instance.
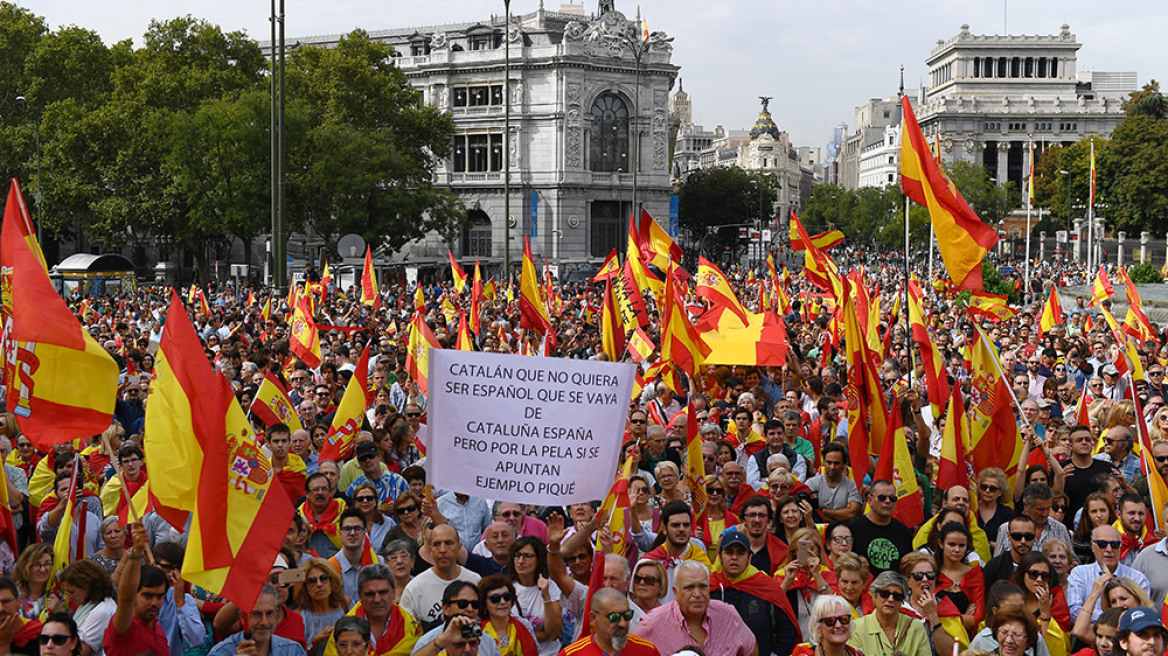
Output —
(829, 629)
(668, 476)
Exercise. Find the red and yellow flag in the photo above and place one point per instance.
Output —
(993, 431)
(867, 415)
(962, 237)
(266, 313)
(936, 381)
(350, 414)
(681, 344)
(713, 286)
(305, 338)
(533, 314)
(629, 300)
(990, 306)
(60, 383)
(421, 340)
(612, 331)
(608, 269)
(476, 298)
(1052, 312)
(369, 292)
(819, 269)
(761, 342)
(695, 466)
(895, 465)
(956, 467)
(272, 405)
(205, 459)
(464, 342)
(1157, 489)
(822, 241)
(1102, 289)
(640, 345)
(457, 273)
(657, 247)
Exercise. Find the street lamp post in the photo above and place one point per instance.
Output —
(36, 196)
(507, 138)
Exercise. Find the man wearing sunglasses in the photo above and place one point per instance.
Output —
(1106, 544)
(1020, 533)
(758, 597)
(460, 608)
(1082, 467)
(609, 618)
(880, 537)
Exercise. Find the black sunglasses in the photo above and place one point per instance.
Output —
(924, 576)
(1103, 544)
(1028, 537)
(57, 639)
(501, 596)
(463, 604)
(885, 594)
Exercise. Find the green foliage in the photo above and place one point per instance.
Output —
(995, 283)
(723, 196)
(1147, 102)
(1145, 273)
(991, 201)
(1133, 175)
(865, 215)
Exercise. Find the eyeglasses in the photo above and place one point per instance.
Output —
(646, 580)
(318, 490)
(886, 498)
(313, 580)
(343, 646)
(842, 620)
(524, 555)
(843, 539)
(886, 594)
(56, 638)
(924, 576)
(1014, 637)
(1104, 544)
(325, 393)
(365, 498)
(501, 596)
(352, 529)
(616, 617)
(1036, 575)
(584, 555)
(463, 604)
(990, 488)
(1022, 537)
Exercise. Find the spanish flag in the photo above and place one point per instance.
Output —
(476, 298)
(266, 313)
(713, 286)
(272, 405)
(1157, 488)
(305, 339)
(465, 342)
(695, 467)
(457, 273)
(421, 340)
(681, 344)
(1129, 287)
(993, 431)
(867, 416)
(350, 414)
(1102, 289)
(895, 465)
(822, 241)
(609, 269)
(7, 523)
(612, 331)
(369, 293)
(616, 505)
(60, 383)
(533, 314)
(819, 269)
(761, 342)
(640, 345)
(657, 247)
(961, 236)
(990, 306)
(936, 380)
(956, 467)
(1052, 312)
(205, 459)
(629, 300)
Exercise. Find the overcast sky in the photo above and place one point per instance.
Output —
(818, 58)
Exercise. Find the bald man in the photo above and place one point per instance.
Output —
(423, 595)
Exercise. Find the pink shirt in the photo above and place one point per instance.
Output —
(726, 633)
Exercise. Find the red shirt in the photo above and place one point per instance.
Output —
(140, 638)
(586, 646)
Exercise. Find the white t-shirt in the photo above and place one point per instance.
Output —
(423, 595)
(91, 628)
(529, 605)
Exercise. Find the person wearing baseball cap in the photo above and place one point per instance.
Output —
(1141, 633)
(757, 597)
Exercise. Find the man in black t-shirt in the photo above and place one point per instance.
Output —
(1081, 469)
(878, 536)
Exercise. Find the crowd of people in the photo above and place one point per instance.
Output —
(788, 555)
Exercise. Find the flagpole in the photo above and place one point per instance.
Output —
(1091, 214)
(904, 307)
(1029, 204)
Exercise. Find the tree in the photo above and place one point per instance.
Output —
(723, 196)
(1147, 102)
(370, 149)
(1132, 174)
(991, 201)
(20, 33)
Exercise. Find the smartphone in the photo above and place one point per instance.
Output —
(133, 380)
(804, 553)
(290, 576)
(247, 635)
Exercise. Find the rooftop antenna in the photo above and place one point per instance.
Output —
(1005, 17)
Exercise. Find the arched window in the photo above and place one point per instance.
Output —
(609, 150)
(476, 236)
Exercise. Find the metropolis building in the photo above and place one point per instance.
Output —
(586, 88)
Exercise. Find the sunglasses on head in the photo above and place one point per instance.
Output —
(886, 594)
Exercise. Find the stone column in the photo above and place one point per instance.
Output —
(1078, 226)
(1119, 248)
(1144, 236)
(1003, 160)
(1041, 246)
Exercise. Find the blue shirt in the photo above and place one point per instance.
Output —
(1080, 580)
(470, 519)
(389, 485)
(183, 626)
(279, 647)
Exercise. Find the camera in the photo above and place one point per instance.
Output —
(471, 630)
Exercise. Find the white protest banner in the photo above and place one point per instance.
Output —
(545, 431)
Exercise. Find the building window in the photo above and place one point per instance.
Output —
(608, 227)
(478, 153)
(419, 48)
(485, 41)
(609, 148)
(476, 235)
(479, 95)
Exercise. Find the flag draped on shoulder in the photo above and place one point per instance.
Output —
(205, 459)
(59, 382)
(350, 414)
(533, 314)
(305, 337)
(962, 237)
(272, 405)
